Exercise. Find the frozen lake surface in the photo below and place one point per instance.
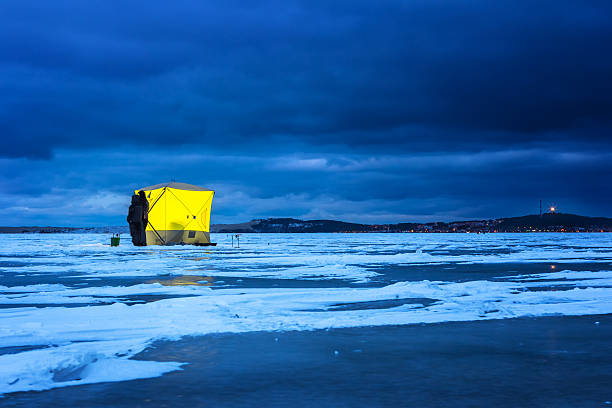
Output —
(364, 311)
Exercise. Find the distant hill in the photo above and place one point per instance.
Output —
(291, 225)
(56, 230)
(557, 222)
(548, 222)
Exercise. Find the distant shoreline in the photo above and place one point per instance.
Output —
(90, 231)
(549, 222)
(63, 230)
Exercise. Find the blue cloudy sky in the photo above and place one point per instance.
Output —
(367, 111)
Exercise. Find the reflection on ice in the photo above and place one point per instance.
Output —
(185, 280)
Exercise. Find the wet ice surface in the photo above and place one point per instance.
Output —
(74, 310)
(524, 362)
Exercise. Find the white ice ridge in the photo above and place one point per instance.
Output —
(60, 294)
(94, 344)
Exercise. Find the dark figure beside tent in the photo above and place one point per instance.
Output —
(138, 218)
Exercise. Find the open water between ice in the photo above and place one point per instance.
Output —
(75, 311)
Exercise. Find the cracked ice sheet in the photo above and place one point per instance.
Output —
(60, 294)
(94, 344)
(285, 256)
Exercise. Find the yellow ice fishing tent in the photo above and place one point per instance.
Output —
(178, 213)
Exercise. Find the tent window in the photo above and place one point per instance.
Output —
(191, 234)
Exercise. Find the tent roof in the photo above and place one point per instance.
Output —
(174, 184)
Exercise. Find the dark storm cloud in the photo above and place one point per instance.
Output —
(391, 74)
(361, 110)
